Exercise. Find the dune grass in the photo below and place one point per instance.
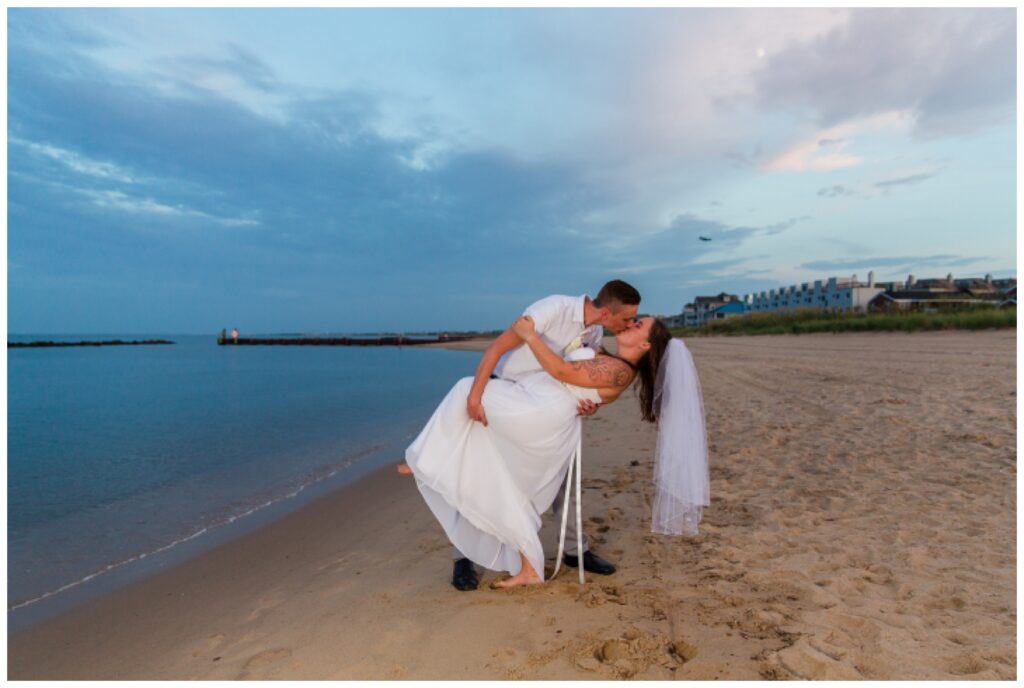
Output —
(807, 320)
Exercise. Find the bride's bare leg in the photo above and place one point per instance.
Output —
(403, 468)
(526, 576)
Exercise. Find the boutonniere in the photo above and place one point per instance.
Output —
(573, 345)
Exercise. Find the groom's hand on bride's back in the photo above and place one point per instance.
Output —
(587, 407)
(506, 341)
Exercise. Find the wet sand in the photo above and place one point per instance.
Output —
(863, 525)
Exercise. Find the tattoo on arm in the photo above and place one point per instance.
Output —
(604, 371)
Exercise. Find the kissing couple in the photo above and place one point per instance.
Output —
(495, 454)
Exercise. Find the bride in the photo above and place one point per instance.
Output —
(489, 484)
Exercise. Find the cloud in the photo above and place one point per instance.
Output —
(940, 260)
(780, 227)
(407, 178)
(232, 73)
(676, 254)
(834, 191)
(242, 64)
(826, 149)
(839, 190)
(903, 181)
(333, 207)
(76, 161)
(953, 69)
(121, 201)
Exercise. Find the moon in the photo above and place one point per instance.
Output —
(760, 53)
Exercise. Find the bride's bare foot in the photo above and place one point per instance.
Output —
(404, 469)
(526, 576)
(517, 580)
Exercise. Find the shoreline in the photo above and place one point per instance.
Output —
(190, 582)
(107, 581)
(103, 583)
(835, 547)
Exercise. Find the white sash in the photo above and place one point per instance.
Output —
(577, 459)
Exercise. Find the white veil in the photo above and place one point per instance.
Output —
(681, 458)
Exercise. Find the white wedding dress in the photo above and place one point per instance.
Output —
(489, 485)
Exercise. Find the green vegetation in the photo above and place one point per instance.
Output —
(806, 320)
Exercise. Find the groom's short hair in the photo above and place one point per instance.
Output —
(616, 294)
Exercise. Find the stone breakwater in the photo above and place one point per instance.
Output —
(336, 341)
(112, 342)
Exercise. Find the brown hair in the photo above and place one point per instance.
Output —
(647, 369)
(616, 294)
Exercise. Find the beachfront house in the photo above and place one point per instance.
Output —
(700, 311)
(835, 294)
(942, 293)
(689, 314)
(672, 321)
(728, 310)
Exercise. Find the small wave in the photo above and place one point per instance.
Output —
(231, 519)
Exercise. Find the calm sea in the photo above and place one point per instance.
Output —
(121, 458)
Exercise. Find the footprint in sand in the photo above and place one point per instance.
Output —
(958, 638)
(596, 595)
(633, 653)
(266, 605)
(965, 665)
(209, 644)
(262, 660)
(802, 660)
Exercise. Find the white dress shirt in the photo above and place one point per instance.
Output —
(558, 321)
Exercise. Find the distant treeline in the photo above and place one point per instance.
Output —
(112, 342)
(807, 320)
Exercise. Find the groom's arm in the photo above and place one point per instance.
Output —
(542, 312)
(506, 341)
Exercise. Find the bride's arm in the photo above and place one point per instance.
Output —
(601, 372)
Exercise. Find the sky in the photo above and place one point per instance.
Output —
(363, 170)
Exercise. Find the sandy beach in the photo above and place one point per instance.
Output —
(863, 525)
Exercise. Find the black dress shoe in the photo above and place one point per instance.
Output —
(464, 575)
(592, 563)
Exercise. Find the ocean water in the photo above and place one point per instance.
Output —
(117, 455)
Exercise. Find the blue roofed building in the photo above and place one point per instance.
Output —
(729, 310)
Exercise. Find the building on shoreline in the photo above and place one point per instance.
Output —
(838, 294)
(834, 294)
(941, 293)
(733, 309)
(670, 321)
(703, 308)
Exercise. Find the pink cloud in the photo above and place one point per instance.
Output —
(827, 149)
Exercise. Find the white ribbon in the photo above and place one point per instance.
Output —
(577, 459)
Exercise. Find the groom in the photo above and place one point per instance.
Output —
(564, 323)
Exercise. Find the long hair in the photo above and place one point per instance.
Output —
(647, 369)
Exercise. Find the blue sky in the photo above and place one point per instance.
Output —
(179, 171)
